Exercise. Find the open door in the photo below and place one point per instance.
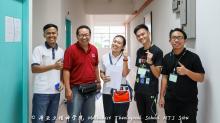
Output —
(68, 33)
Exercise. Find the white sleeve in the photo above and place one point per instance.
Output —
(36, 56)
(129, 63)
(102, 65)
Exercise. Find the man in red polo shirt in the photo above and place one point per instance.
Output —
(80, 68)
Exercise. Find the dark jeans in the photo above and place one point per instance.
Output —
(45, 107)
(146, 106)
(177, 111)
(114, 111)
(81, 104)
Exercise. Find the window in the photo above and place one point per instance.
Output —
(103, 35)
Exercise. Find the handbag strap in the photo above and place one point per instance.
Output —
(126, 83)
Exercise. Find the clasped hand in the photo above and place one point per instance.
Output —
(59, 64)
(149, 57)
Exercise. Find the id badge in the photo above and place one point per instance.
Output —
(173, 78)
(142, 71)
(147, 81)
(142, 78)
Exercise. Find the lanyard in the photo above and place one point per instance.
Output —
(176, 63)
(110, 59)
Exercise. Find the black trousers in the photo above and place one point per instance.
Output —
(146, 106)
(177, 111)
(114, 111)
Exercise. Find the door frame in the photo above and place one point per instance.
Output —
(25, 58)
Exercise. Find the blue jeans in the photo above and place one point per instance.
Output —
(45, 107)
(81, 104)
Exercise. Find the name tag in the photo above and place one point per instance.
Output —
(147, 81)
(142, 71)
(173, 78)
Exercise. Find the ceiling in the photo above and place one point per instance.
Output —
(114, 12)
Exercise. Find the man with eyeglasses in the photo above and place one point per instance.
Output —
(80, 70)
(181, 71)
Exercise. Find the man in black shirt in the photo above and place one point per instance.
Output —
(180, 73)
(148, 63)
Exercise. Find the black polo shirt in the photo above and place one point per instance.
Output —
(185, 89)
(152, 87)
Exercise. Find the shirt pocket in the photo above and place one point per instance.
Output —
(92, 59)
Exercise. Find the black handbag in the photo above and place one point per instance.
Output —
(87, 88)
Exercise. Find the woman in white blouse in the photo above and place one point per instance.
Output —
(114, 68)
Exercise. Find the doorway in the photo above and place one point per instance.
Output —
(68, 33)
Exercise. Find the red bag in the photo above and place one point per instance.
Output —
(121, 96)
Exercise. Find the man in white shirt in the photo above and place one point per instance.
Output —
(46, 66)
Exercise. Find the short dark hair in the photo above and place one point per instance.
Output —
(140, 26)
(179, 30)
(49, 25)
(82, 26)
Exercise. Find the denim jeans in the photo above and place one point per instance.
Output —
(45, 107)
(81, 104)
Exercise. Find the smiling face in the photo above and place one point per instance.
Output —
(50, 35)
(177, 40)
(117, 45)
(83, 36)
(142, 36)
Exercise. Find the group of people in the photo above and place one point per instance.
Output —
(79, 69)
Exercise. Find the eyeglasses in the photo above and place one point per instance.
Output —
(83, 35)
(177, 38)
